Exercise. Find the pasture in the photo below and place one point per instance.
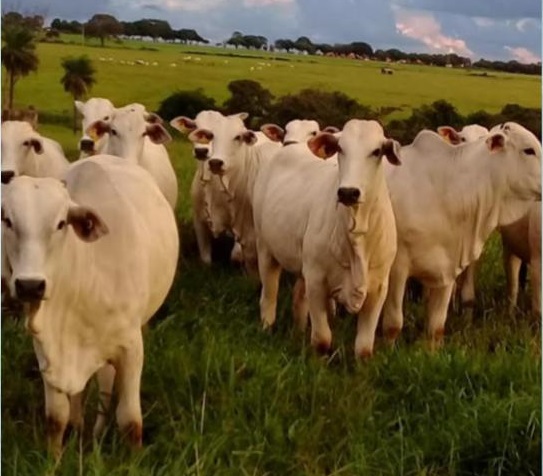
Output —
(222, 397)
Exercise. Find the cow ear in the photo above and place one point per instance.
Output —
(331, 129)
(324, 145)
(496, 142)
(241, 115)
(79, 106)
(153, 118)
(157, 134)
(97, 130)
(273, 132)
(249, 137)
(36, 144)
(201, 136)
(88, 226)
(183, 124)
(449, 134)
(391, 149)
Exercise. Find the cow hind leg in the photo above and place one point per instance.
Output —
(105, 378)
(368, 318)
(393, 306)
(129, 366)
(203, 239)
(512, 267)
(437, 305)
(270, 273)
(467, 291)
(535, 286)
(76, 411)
(57, 413)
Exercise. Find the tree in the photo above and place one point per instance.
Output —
(185, 103)
(236, 39)
(18, 55)
(103, 26)
(78, 79)
(249, 96)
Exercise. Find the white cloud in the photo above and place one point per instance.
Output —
(426, 29)
(484, 22)
(523, 55)
(264, 3)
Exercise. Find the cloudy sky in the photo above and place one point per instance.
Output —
(493, 29)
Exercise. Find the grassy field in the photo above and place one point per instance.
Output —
(221, 397)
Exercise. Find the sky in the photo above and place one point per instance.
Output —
(491, 29)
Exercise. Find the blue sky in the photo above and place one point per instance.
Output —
(493, 29)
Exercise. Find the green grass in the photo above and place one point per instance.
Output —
(221, 397)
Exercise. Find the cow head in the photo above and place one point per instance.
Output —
(20, 143)
(37, 215)
(469, 133)
(127, 129)
(360, 150)
(519, 154)
(95, 109)
(296, 131)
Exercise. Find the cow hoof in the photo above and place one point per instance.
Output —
(391, 334)
(365, 354)
(323, 348)
(133, 432)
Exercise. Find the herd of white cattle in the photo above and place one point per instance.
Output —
(91, 247)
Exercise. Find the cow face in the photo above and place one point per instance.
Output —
(470, 133)
(19, 143)
(230, 140)
(127, 129)
(360, 150)
(95, 109)
(519, 154)
(37, 214)
(298, 131)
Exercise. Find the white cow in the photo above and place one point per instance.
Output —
(447, 201)
(93, 110)
(138, 137)
(331, 224)
(25, 152)
(295, 131)
(469, 133)
(93, 259)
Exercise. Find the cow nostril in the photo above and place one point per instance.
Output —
(86, 145)
(215, 165)
(30, 289)
(7, 175)
(200, 153)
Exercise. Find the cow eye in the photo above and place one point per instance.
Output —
(463, 139)
(376, 152)
(7, 222)
(61, 224)
(106, 118)
(314, 133)
(113, 132)
(529, 151)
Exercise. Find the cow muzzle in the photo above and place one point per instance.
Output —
(216, 166)
(201, 153)
(30, 289)
(348, 195)
(7, 175)
(86, 145)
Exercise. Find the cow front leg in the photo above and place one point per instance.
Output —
(129, 365)
(368, 318)
(105, 377)
(76, 411)
(467, 291)
(300, 304)
(321, 335)
(203, 238)
(535, 285)
(437, 305)
(393, 306)
(57, 413)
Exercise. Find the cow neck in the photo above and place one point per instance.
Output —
(33, 164)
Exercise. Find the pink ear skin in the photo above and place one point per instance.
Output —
(97, 129)
(183, 124)
(153, 118)
(249, 137)
(496, 142)
(201, 136)
(323, 145)
(449, 134)
(273, 132)
(88, 226)
(391, 150)
(157, 134)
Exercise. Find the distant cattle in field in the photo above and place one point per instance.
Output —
(29, 115)
(387, 71)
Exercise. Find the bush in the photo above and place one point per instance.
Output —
(249, 96)
(185, 103)
(327, 108)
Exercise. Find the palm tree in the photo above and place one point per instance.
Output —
(18, 55)
(78, 79)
